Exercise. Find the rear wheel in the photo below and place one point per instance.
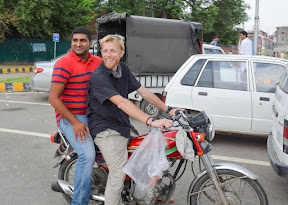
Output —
(66, 173)
(99, 179)
(237, 190)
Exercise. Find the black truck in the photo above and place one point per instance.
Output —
(155, 48)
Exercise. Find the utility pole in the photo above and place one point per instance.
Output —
(256, 26)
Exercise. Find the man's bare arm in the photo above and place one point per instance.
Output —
(79, 128)
(133, 111)
(152, 98)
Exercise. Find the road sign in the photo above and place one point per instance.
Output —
(56, 37)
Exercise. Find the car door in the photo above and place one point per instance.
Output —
(222, 90)
(267, 76)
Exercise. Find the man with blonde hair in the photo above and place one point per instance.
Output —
(109, 109)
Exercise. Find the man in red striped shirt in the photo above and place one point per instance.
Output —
(68, 95)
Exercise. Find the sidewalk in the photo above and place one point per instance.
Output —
(15, 72)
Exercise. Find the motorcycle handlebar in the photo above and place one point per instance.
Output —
(197, 120)
(177, 112)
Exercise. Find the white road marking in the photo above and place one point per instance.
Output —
(22, 102)
(240, 160)
(25, 132)
(231, 159)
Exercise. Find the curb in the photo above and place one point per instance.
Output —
(10, 87)
(16, 70)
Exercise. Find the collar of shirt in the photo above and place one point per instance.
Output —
(80, 59)
(110, 72)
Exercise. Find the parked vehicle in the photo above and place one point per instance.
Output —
(235, 91)
(211, 49)
(277, 143)
(154, 49)
(214, 184)
(265, 44)
(43, 70)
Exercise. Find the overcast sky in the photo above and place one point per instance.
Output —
(272, 14)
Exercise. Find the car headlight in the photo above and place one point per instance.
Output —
(210, 132)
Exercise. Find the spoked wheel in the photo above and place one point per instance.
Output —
(150, 109)
(98, 184)
(237, 189)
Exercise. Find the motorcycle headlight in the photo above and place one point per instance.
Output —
(210, 132)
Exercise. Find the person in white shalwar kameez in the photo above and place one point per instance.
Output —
(245, 48)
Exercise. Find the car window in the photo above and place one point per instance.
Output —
(283, 84)
(219, 52)
(191, 76)
(267, 76)
(212, 51)
(208, 51)
(224, 75)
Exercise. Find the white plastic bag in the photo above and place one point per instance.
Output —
(148, 161)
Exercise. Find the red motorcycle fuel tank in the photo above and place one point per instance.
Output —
(170, 149)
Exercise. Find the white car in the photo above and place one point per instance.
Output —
(235, 91)
(277, 143)
(211, 49)
(43, 70)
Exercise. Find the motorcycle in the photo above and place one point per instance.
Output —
(222, 183)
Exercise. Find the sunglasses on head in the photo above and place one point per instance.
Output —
(116, 36)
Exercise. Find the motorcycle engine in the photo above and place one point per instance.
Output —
(144, 197)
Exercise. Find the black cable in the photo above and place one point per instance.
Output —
(192, 168)
(182, 171)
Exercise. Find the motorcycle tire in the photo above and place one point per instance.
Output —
(249, 192)
(65, 171)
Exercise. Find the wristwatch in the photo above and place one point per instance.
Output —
(168, 109)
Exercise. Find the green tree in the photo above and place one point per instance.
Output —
(156, 8)
(42, 18)
(7, 18)
(218, 17)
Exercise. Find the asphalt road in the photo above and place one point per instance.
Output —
(26, 171)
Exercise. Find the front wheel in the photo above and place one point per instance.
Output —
(236, 187)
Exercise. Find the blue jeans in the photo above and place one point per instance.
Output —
(86, 159)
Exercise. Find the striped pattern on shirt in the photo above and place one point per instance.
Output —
(75, 74)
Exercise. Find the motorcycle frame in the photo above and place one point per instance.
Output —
(204, 155)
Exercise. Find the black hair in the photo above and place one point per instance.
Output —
(244, 33)
(83, 30)
(217, 36)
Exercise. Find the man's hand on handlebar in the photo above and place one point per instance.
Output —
(172, 112)
(163, 123)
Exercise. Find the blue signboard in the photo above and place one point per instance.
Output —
(56, 37)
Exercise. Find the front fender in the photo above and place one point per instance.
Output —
(222, 166)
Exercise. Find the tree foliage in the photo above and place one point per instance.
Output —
(42, 18)
(153, 8)
(217, 16)
(7, 18)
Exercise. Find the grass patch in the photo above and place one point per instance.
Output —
(17, 80)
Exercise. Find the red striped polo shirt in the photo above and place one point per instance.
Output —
(75, 74)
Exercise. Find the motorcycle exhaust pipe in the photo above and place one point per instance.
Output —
(63, 187)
